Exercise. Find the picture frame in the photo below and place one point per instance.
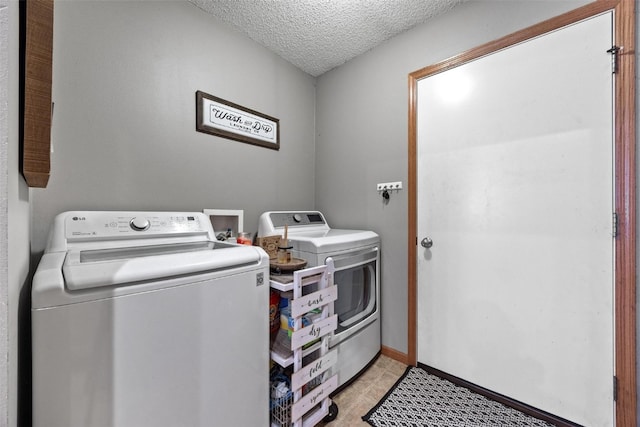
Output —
(217, 116)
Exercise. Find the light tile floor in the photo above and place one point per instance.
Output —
(364, 393)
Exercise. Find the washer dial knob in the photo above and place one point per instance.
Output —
(297, 217)
(139, 223)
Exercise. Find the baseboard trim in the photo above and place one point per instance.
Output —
(507, 401)
(395, 354)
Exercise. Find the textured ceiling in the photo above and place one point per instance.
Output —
(318, 35)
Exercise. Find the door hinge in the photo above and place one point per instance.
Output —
(615, 388)
(614, 231)
(614, 51)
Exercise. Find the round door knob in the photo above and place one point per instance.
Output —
(426, 243)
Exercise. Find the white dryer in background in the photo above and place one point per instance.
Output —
(143, 319)
(356, 256)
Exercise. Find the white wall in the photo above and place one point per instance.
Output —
(362, 131)
(125, 75)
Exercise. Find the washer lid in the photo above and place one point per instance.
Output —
(83, 269)
(333, 240)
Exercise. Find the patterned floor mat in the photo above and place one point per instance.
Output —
(420, 399)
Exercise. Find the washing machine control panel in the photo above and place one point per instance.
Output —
(86, 226)
(280, 219)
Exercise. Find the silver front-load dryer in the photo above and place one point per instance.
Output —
(356, 257)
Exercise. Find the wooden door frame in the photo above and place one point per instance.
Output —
(625, 186)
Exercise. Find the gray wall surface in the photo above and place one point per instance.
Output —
(125, 75)
(362, 131)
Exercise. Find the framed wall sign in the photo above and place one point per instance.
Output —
(217, 116)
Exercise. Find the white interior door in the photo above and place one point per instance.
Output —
(515, 189)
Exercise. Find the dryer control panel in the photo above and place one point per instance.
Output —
(273, 222)
(280, 219)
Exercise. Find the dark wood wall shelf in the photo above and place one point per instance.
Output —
(37, 112)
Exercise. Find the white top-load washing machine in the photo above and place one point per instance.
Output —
(356, 257)
(144, 319)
